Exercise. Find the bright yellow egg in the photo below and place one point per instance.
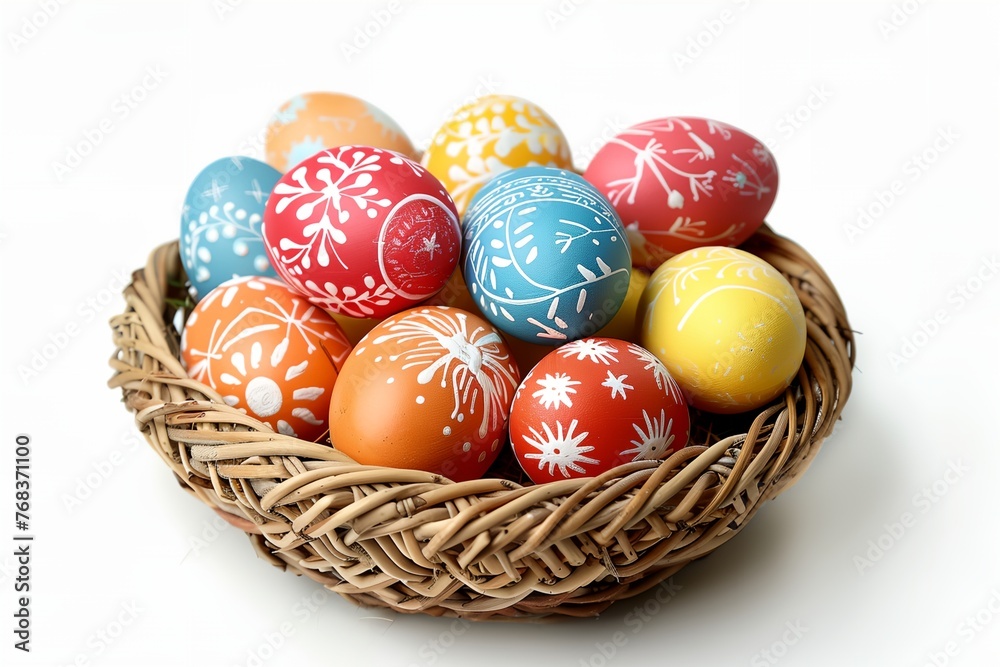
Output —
(622, 325)
(489, 136)
(727, 325)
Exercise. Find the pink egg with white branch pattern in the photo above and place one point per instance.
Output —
(362, 231)
(681, 182)
(592, 405)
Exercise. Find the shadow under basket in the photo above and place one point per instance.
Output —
(490, 548)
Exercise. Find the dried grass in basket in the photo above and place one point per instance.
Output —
(491, 548)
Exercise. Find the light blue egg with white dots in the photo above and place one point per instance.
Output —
(220, 225)
(545, 255)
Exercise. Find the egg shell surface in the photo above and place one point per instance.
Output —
(310, 122)
(362, 231)
(728, 326)
(488, 136)
(544, 255)
(427, 389)
(221, 222)
(592, 405)
(265, 350)
(684, 182)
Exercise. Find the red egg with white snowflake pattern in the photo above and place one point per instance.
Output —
(680, 183)
(592, 405)
(268, 351)
(427, 389)
(362, 231)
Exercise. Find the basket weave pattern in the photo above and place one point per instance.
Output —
(417, 543)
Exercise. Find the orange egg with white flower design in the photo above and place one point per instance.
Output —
(427, 389)
(268, 352)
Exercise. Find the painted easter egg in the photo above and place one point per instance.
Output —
(220, 235)
(592, 405)
(728, 326)
(308, 123)
(427, 389)
(268, 351)
(544, 255)
(361, 231)
(488, 136)
(622, 325)
(680, 183)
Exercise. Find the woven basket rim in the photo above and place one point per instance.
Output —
(482, 549)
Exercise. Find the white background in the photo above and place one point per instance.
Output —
(847, 100)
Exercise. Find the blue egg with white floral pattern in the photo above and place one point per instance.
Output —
(220, 225)
(545, 255)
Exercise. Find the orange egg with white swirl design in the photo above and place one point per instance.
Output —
(268, 351)
(427, 389)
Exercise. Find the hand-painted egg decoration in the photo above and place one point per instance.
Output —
(592, 405)
(545, 256)
(268, 351)
(489, 136)
(361, 231)
(220, 235)
(427, 389)
(728, 326)
(311, 122)
(681, 183)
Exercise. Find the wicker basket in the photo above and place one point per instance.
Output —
(417, 543)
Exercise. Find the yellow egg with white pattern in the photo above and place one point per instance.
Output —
(489, 136)
(727, 325)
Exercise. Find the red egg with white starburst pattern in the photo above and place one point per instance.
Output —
(680, 183)
(362, 231)
(594, 404)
